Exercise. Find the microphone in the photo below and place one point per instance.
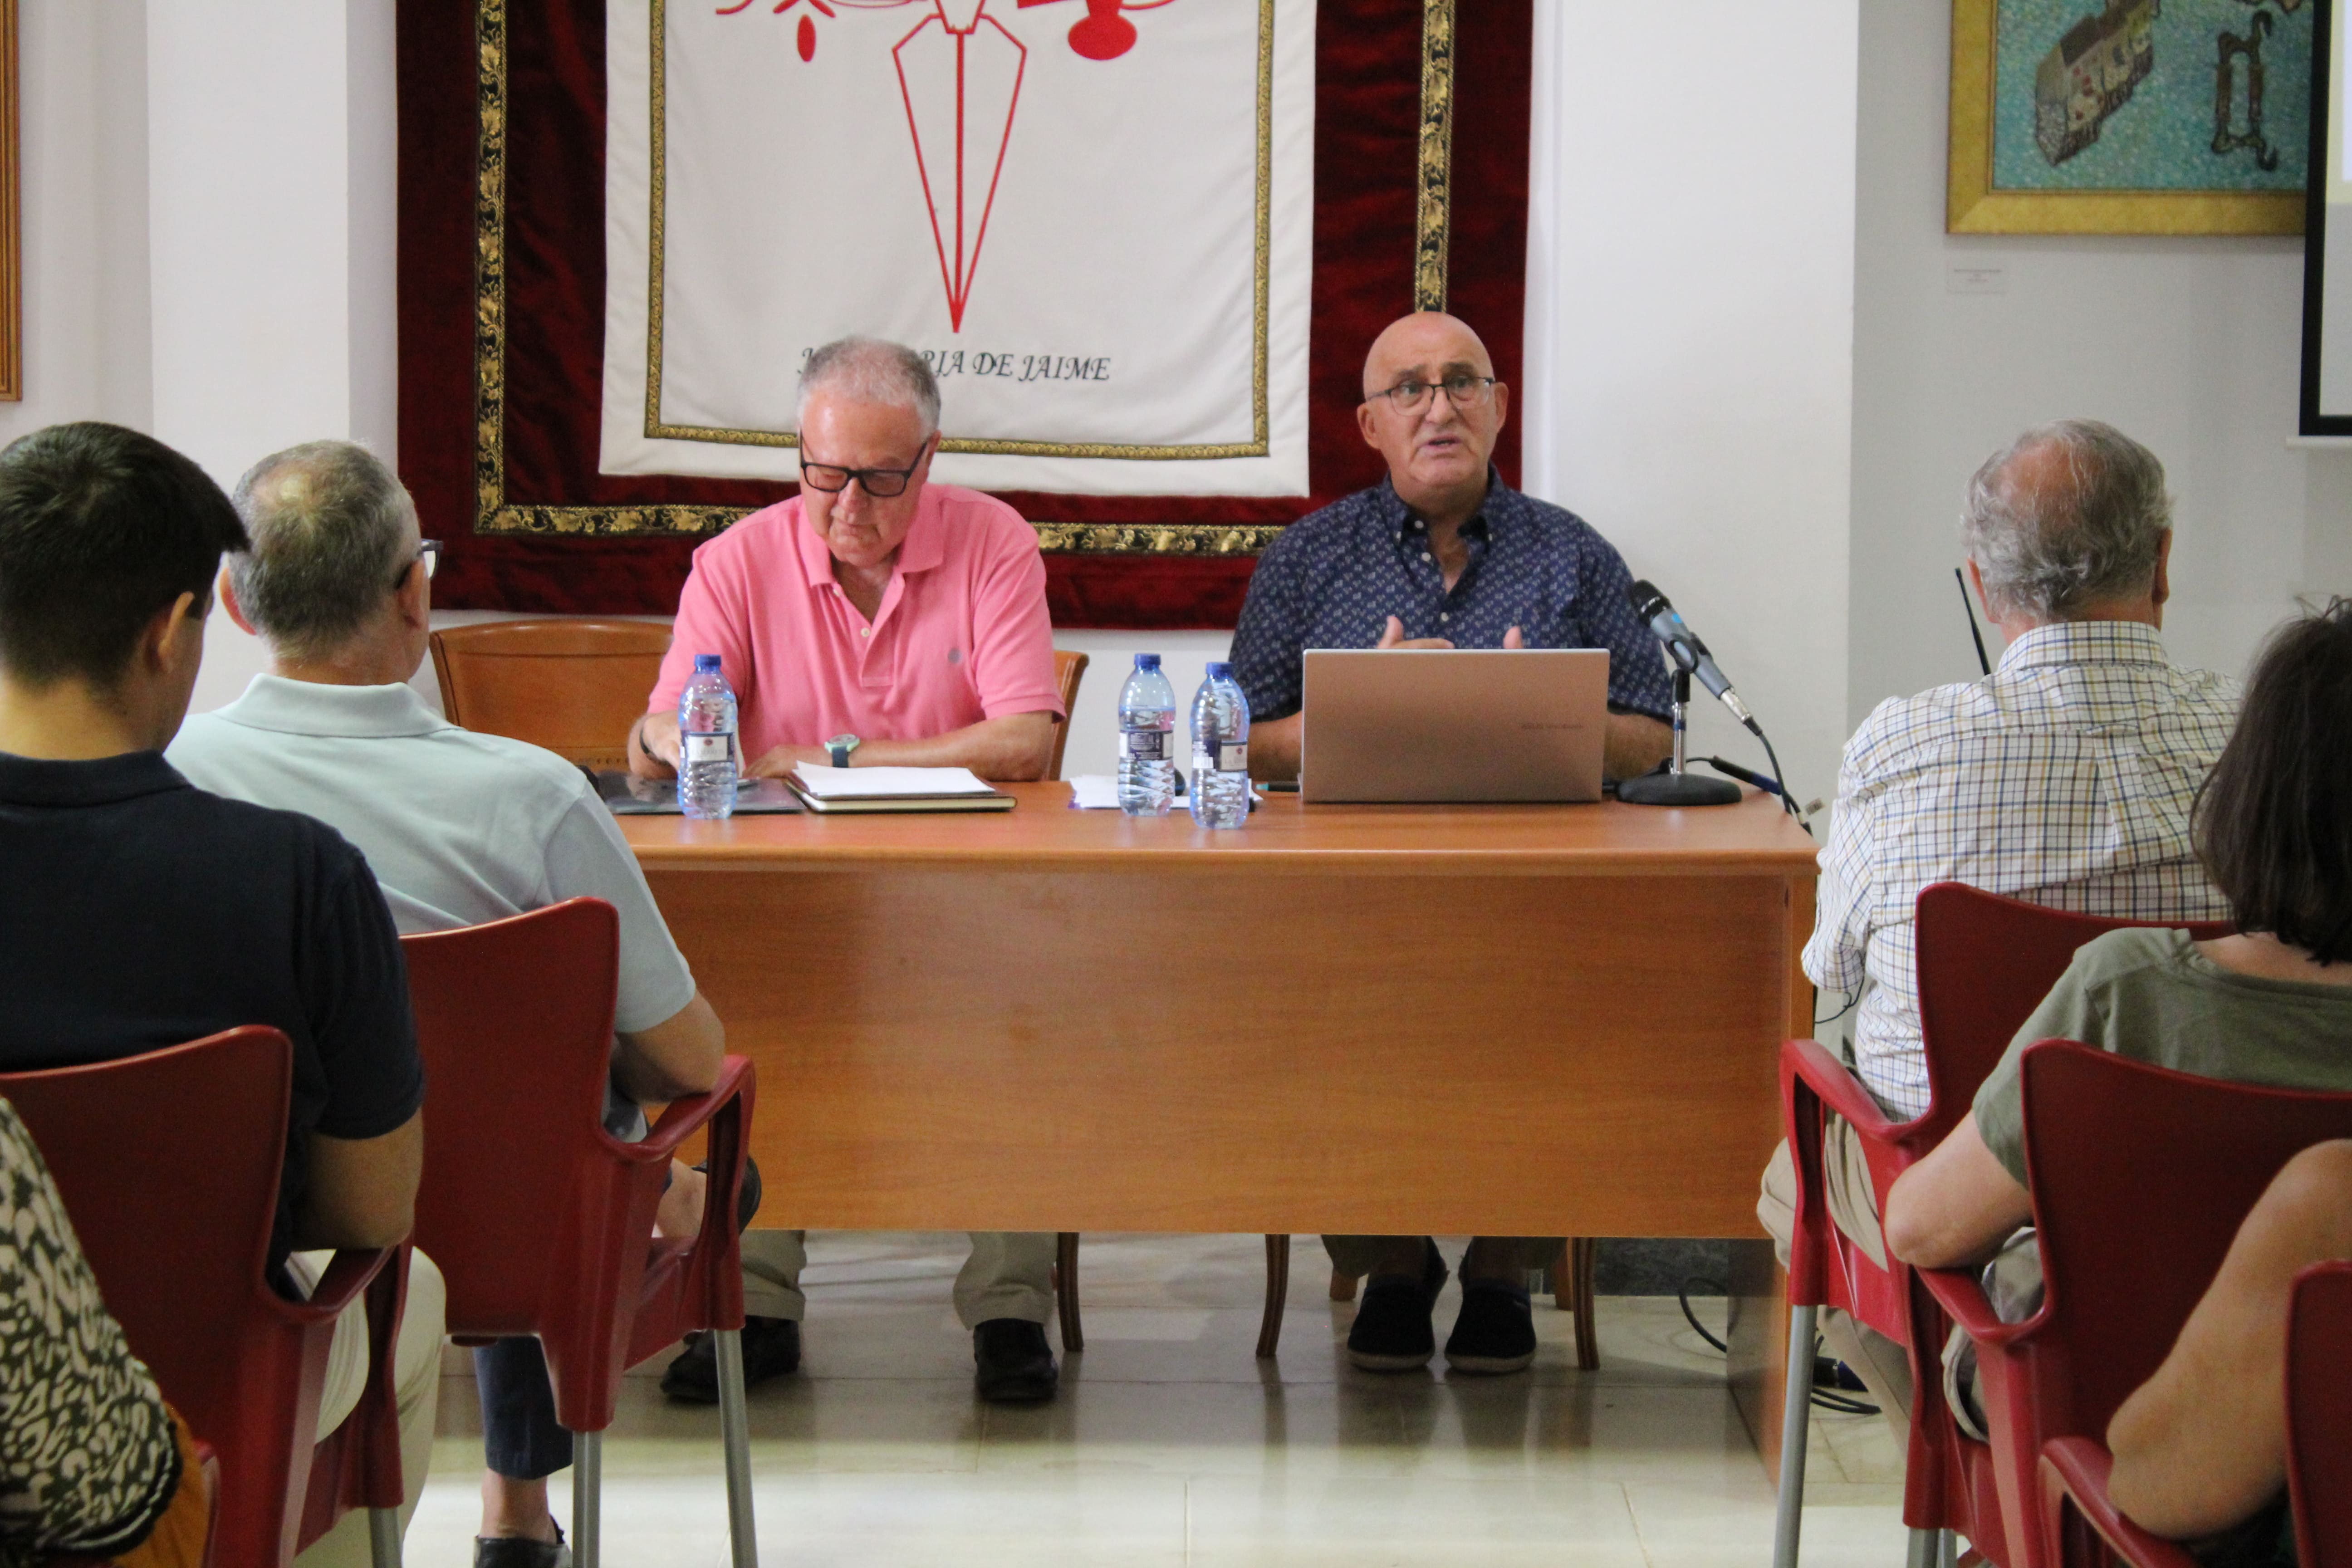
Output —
(1684, 648)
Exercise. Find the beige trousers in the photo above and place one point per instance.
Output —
(1010, 1274)
(1853, 1208)
(416, 1374)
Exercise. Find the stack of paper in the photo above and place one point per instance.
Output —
(894, 789)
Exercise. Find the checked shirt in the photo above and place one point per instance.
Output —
(2065, 778)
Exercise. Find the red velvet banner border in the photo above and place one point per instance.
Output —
(1367, 117)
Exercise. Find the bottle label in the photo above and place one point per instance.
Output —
(1233, 757)
(1143, 746)
(702, 749)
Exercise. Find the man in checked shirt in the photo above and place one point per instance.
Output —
(2065, 777)
(1442, 553)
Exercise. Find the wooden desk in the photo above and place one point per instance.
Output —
(1520, 1020)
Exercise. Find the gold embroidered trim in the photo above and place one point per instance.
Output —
(1431, 226)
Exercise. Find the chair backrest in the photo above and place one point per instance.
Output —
(169, 1163)
(1069, 669)
(515, 1021)
(571, 686)
(2319, 1415)
(1985, 962)
(2141, 1177)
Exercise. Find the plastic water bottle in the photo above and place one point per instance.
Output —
(708, 763)
(1221, 719)
(1146, 741)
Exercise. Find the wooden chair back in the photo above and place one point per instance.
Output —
(1069, 669)
(573, 686)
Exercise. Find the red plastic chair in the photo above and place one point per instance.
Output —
(2090, 1532)
(2141, 1177)
(2319, 1415)
(542, 1222)
(1984, 964)
(169, 1165)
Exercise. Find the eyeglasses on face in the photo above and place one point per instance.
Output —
(428, 552)
(882, 484)
(1462, 391)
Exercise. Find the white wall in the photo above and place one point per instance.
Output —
(2189, 345)
(83, 126)
(1690, 315)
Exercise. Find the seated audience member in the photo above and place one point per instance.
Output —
(1442, 553)
(337, 582)
(2201, 1449)
(92, 1462)
(2272, 1005)
(2065, 777)
(139, 911)
(875, 620)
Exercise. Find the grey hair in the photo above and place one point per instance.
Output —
(872, 370)
(2083, 529)
(331, 527)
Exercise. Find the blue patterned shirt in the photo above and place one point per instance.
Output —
(1333, 578)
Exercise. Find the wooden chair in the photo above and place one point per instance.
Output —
(571, 686)
(1069, 669)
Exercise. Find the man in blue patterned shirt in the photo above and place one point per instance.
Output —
(1442, 553)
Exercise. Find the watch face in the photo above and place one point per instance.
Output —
(846, 742)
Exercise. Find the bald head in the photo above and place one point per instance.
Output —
(1427, 340)
(1437, 443)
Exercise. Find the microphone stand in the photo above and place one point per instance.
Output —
(1676, 787)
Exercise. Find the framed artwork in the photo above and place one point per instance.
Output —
(2129, 116)
(12, 248)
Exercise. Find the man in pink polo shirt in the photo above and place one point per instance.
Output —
(875, 620)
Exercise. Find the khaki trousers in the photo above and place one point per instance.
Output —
(416, 1374)
(1882, 1365)
(1356, 1255)
(1010, 1274)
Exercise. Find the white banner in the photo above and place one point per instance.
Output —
(1095, 220)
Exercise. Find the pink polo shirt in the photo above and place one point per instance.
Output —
(961, 634)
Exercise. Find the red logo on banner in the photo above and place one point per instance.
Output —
(960, 77)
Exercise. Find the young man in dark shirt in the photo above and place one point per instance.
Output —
(137, 911)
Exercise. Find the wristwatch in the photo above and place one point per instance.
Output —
(841, 746)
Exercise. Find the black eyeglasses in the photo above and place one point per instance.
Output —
(882, 484)
(1462, 391)
(428, 551)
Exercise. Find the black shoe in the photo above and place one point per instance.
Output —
(1016, 1365)
(747, 1199)
(1392, 1331)
(772, 1348)
(515, 1552)
(1495, 1331)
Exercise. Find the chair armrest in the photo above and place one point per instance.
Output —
(1834, 1085)
(2076, 1469)
(684, 1117)
(349, 1273)
(1961, 1295)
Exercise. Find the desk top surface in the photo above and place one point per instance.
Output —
(1043, 833)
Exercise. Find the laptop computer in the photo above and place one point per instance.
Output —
(1454, 724)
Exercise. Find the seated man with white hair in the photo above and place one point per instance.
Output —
(459, 828)
(875, 620)
(2065, 777)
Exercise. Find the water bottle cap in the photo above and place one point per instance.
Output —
(703, 661)
(1146, 661)
(1220, 671)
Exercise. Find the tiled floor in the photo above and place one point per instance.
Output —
(1171, 1443)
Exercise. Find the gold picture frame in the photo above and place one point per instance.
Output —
(1974, 206)
(11, 246)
